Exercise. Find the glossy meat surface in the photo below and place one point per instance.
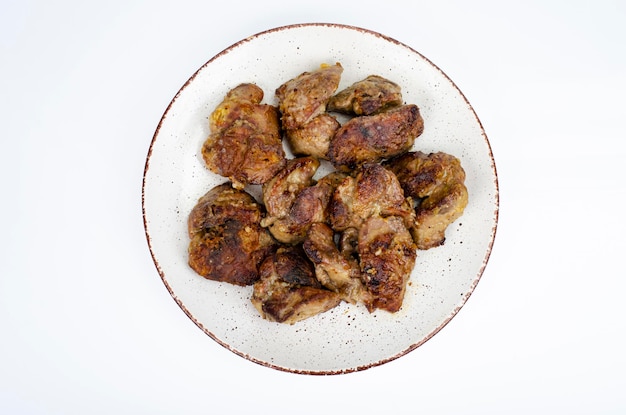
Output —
(373, 190)
(310, 206)
(387, 255)
(227, 243)
(244, 144)
(373, 138)
(302, 103)
(280, 194)
(288, 291)
(313, 138)
(436, 182)
(296, 201)
(371, 95)
(335, 271)
(305, 97)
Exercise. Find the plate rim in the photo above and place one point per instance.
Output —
(460, 304)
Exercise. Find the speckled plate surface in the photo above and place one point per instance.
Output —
(347, 338)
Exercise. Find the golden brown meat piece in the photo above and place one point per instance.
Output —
(335, 271)
(227, 243)
(387, 255)
(375, 137)
(436, 182)
(281, 192)
(302, 103)
(288, 291)
(295, 200)
(237, 103)
(373, 190)
(305, 97)
(310, 206)
(371, 95)
(313, 139)
(244, 144)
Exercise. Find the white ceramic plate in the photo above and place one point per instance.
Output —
(347, 338)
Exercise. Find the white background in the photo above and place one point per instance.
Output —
(87, 326)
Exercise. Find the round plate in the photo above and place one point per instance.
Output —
(347, 338)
